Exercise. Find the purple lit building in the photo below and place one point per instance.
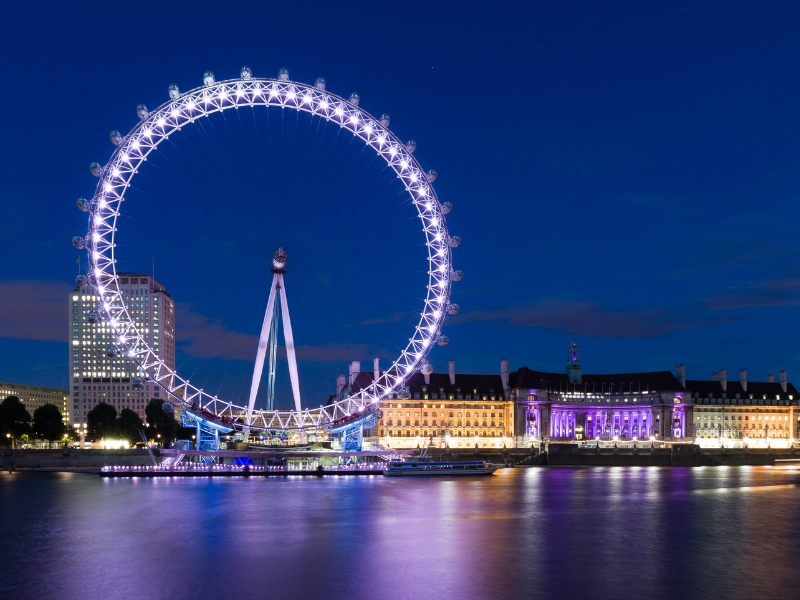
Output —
(576, 406)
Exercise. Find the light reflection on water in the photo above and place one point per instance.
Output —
(623, 532)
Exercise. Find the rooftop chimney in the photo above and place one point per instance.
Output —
(770, 378)
(427, 378)
(376, 368)
(452, 372)
(355, 369)
(341, 383)
(680, 373)
(723, 379)
(504, 373)
(715, 376)
(782, 379)
(743, 379)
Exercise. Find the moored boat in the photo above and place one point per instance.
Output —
(425, 468)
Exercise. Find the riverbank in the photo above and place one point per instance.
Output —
(553, 455)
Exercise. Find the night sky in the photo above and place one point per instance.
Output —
(626, 170)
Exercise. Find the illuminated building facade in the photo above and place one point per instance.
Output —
(744, 413)
(457, 410)
(577, 406)
(96, 377)
(527, 407)
(33, 397)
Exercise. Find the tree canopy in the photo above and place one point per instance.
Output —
(160, 422)
(14, 418)
(128, 425)
(101, 421)
(48, 423)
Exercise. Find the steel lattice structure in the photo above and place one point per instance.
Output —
(214, 96)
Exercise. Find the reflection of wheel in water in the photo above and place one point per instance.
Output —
(187, 109)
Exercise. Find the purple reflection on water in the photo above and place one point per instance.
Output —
(623, 532)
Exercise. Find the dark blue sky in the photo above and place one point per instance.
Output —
(628, 170)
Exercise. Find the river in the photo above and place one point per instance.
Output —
(622, 532)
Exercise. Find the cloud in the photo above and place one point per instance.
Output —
(393, 318)
(34, 310)
(201, 337)
(780, 291)
(593, 319)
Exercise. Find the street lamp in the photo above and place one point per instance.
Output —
(8, 435)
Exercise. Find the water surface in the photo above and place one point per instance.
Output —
(636, 532)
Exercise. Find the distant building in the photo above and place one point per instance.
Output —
(744, 413)
(577, 406)
(527, 407)
(97, 378)
(33, 397)
(460, 410)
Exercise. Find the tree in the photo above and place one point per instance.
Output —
(14, 418)
(160, 422)
(47, 423)
(100, 421)
(128, 425)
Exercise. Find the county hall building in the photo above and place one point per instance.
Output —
(527, 407)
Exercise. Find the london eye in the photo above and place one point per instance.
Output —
(184, 110)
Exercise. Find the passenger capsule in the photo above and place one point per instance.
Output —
(93, 317)
(80, 281)
(96, 169)
(174, 91)
(385, 120)
(246, 73)
(142, 111)
(208, 78)
(354, 99)
(79, 242)
(283, 74)
(404, 393)
(137, 383)
(454, 241)
(427, 369)
(83, 204)
(411, 145)
(116, 137)
(446, 207)
(320, 83)
(457, 275)
(443, 340)
(453, 309)
(168, 407)
(431, 175)
(112, 351)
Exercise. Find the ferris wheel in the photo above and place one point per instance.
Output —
(190, 108)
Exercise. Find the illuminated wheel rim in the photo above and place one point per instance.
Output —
(184, 109)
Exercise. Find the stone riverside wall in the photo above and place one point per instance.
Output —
(554, 455)
(564, 455)
(572, 455)
(68, 458)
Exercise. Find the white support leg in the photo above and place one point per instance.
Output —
(263, 342)
(290, 354)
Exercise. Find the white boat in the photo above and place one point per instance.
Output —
(415, 467)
